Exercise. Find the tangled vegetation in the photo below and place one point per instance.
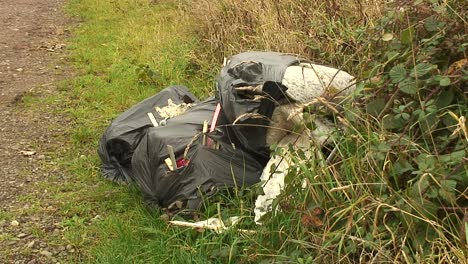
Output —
(396, 188)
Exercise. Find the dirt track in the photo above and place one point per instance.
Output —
(32, 51)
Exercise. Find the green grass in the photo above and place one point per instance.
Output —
(5, 216)
(125, 51)
(108, 223)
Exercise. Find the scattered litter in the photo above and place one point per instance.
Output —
(22, 235)
(179, 150)
(169, 164)
(27, 153)
(275, 172)
(172, 109)
(308, 81)
(215, 224)
(215, 117)
(52, 47)
(170, 150)
(97, 217)
(204, 130)
(46, 253)
(153, 119)
(14, 223)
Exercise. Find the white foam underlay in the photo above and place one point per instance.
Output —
(307, 81)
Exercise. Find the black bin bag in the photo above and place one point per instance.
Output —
(205, 168)
(249, 111)
(120, 139)
(233, 155)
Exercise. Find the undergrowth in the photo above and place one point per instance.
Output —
(395, 186)
(395, 189)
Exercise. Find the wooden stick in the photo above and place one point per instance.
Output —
(169, 164)
(170, 149)
(205, 129)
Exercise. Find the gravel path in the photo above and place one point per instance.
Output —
(32, 51)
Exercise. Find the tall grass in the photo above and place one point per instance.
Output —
(330, 32)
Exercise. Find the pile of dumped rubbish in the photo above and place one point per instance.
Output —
(178, 149)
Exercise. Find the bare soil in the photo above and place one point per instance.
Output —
(32, 62)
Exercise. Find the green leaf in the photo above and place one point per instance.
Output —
(300, 153)
(427, 123)
(449, 122)
(432, 192)
(421, 69)
(311, 125)
(379, 156)
(453, 157)
(383, 147)
(223, 253)
(397, 73)
(374, 71)
(407, 35)
(444, 81)
(444, 99)
(408, 86)
(391, 55)
(390, 122)
(424, 206)
(420, 187)
(425, 162)
(431, 24)
(447, 192)
(401, 167)
(375, 106)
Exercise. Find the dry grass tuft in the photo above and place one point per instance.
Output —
(313, 29)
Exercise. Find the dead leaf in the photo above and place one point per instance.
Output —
(387, 36)
(317, 211)
(457, 66)
(313, 218)
(309, 220)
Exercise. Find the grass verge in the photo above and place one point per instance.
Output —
(124, 51)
